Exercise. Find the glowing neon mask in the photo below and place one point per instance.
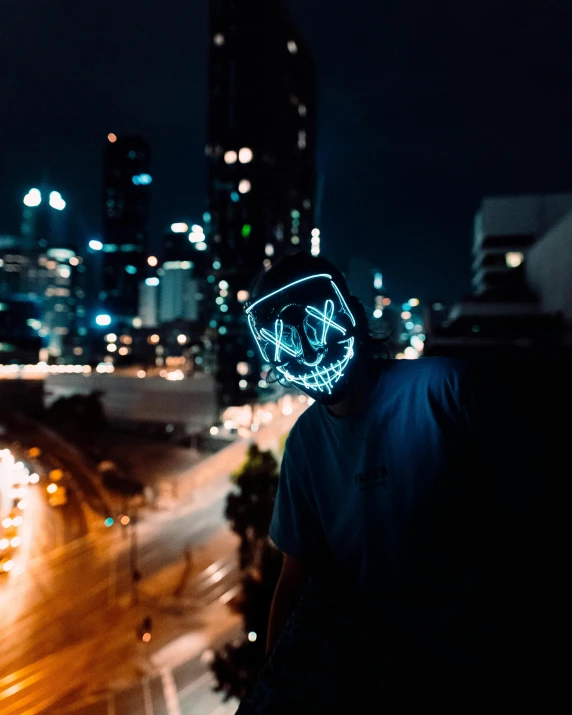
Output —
(308, 333)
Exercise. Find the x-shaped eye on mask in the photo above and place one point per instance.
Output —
(281, 339)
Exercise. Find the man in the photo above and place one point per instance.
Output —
(380, 513)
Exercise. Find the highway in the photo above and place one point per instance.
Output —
(68, 620)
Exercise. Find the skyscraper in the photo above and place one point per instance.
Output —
(125, 212)
(261, 167)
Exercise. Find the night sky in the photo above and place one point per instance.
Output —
(424, 108)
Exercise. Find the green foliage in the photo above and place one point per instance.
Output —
(236, 666)
(81, 415)
(249, 510)
(249, 507)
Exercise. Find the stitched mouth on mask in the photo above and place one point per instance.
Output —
(322, 378)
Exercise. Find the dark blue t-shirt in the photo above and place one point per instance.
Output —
(389, 495)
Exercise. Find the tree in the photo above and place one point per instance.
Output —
(249, 510)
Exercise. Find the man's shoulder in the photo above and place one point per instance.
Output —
(433, 370)
(305, 423)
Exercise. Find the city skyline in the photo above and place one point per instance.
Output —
(424, 119)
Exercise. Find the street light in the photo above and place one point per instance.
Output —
(33, 198)
(56, 201)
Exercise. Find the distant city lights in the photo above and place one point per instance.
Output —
(214, 430)
(103, 319)
(378, 281)
(112, 347)
(514, 259)
(182, 339)
(414, 302)
(180, 227)
(152, 261)
(141, 373)
(223, 285)
(141, 179)
(56, 201)
(111, 137)
(111, 338)
(197, 234)
(292, 47)
(153, 281)
(269, 249)
(245, 155)
(201, 246)
(244, 186)
(131, 270)
(218, 39)
(242, 296)
(95, 245)
(377, 313)
(33, 198)
(315, 232)
(234, 196)
(230, 157)
(406, 315)
(243, 368)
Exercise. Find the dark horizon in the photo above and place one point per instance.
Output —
(422, 113)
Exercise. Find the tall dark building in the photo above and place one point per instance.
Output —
(261, 167)
(125, 212)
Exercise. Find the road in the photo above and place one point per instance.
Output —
(68, 622)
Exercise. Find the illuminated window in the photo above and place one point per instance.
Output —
(292, 47)
(244, 186)
(514, 259)
(245, 155)
(180, 227)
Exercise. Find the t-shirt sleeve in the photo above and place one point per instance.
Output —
(295, 527)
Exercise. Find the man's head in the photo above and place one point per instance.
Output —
(307, 325)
